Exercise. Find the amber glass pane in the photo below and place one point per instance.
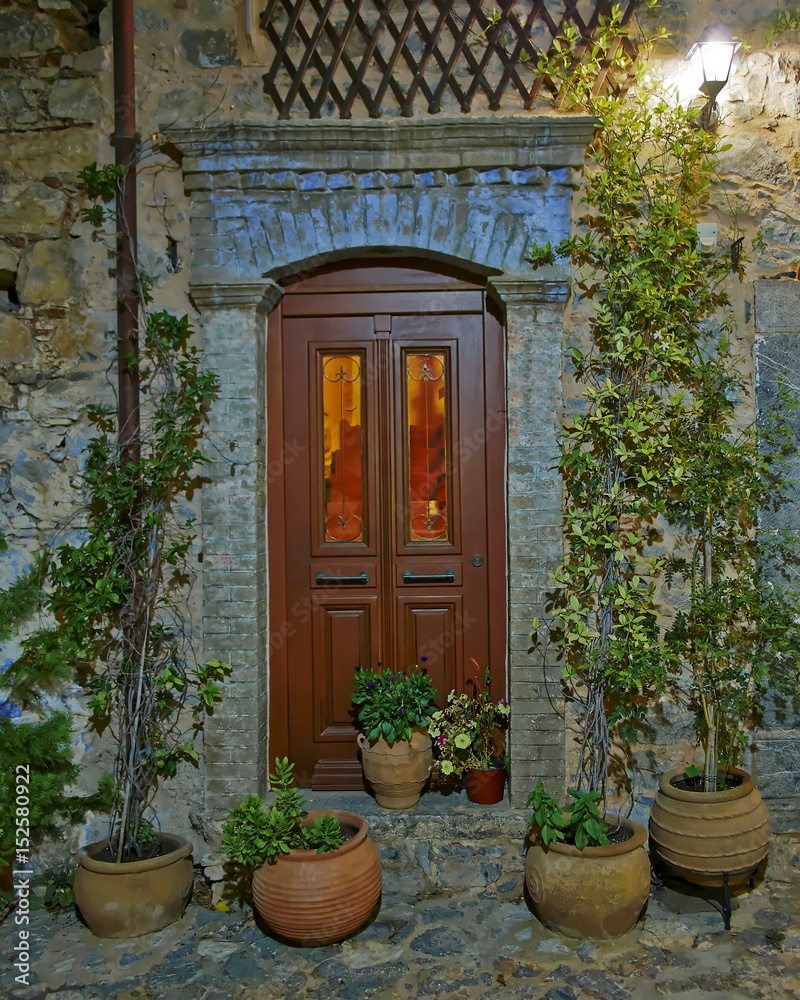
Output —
(343, 447)
(426, 381)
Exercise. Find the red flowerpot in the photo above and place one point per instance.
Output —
(486, 787)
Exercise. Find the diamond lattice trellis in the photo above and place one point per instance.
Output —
(408, 56)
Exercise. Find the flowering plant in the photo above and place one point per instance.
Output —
(465, 733)
(390, 704)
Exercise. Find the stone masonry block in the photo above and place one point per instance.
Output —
(540, 752)
(536, 706)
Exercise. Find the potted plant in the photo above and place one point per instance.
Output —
(647, 296)
(468, 740)
(117, 592)
(738, 637)
(587, 876)
(393, 708)
(317, 875)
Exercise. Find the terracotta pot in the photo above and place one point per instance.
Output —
(314, 899)
(135, 897)
(705, 834)
(486, 787)
(598, 892)
(397, 771)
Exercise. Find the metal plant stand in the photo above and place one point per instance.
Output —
(723, 882)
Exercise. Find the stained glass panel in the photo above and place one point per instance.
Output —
(343, 447)
(426, 407)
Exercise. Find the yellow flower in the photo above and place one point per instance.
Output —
(447, 767)
(462, 741)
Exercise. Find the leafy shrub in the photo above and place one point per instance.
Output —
(578, 822)
(254, 834)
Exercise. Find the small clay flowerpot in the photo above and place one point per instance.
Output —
(397, 771)
(134, 897)
(486, 787)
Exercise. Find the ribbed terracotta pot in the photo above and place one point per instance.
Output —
(397, 771)
(705, 834)
(314, 899)
(135, 897)
(598, 892)
(485, 787)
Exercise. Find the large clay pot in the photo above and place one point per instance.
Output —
(485, 787)
(397, 771)
(598, 892)
(314, 899)
(707, 834)
(135, 897)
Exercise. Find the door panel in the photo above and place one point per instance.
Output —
(382, 510)
(430, 628)
(344, 633)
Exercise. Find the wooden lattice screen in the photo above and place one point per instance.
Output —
(387, 54)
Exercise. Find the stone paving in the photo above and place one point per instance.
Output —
(474, 943)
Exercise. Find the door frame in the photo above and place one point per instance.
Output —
(348, 276)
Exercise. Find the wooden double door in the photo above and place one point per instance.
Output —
(386, 498)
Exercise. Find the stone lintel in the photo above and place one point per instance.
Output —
(237, 295)
(476, 143)
(546, 284)
(777, 306)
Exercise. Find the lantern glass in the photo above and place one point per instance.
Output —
(717, 58)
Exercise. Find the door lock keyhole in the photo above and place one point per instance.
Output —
(477, 560)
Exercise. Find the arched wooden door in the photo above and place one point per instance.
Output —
(386, 513)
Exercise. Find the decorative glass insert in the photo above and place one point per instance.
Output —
(343, 445)
(426, 408)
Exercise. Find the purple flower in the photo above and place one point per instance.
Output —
(370, 684)
(439, 740)
(379, 662)
(423, 658)
(357, 669)
(391, 677)
(402, 710)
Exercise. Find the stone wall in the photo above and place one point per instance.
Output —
(200, 69)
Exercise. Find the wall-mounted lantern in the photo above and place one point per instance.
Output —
(714, 49)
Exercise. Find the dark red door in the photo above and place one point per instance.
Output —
(387, 506)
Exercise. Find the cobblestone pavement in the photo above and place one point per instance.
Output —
(468, 944)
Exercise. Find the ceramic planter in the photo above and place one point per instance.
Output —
(598, 892)
(135, 897)
(397, 771)
(706, 835)
(486, 787)
(315, 899)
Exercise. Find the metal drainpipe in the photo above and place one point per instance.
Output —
(124, 141)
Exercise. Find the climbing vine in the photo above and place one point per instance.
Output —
(658, 383)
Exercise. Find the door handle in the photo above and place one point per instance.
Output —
(448, 576)
(339, 580)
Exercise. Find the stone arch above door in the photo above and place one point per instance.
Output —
(276, 201)
(266, 201)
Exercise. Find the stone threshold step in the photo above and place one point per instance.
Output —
(438, 816)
